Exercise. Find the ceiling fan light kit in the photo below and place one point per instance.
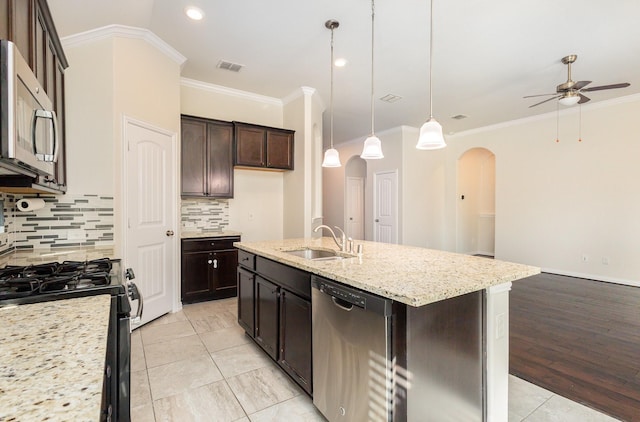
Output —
(331, 155)
(372, 149)
(570, 92)
(431, 136)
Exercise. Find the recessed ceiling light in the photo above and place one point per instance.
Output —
(340, 62)
(194, 13)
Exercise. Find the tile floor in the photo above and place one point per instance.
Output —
(197, 365)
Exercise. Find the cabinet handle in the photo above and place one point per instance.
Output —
(210, 261)
(215, 263)
(213, 243)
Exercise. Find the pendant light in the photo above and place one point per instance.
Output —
(331, 156)
(372, 146)
(431, 132)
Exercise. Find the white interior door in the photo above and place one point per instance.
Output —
(385, 205)
(150, 192)
(354, 224)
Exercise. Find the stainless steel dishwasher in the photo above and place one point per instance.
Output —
(351, 353)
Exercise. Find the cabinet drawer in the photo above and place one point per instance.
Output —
(247, 260)
(209, 243)
(295, 280)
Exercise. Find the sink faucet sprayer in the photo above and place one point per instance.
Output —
(341, 244)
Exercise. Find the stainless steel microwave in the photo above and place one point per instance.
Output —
(28, 124)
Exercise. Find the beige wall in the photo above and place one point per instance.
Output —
(554, 202)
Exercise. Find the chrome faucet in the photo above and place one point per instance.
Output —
(341, 244)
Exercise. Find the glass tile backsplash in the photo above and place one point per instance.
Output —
(204, 214)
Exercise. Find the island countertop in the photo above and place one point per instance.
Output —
(52, 357)
(410, 275)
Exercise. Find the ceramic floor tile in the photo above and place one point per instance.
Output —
(143, 413)
(220, 320)
(212, 402)
(166, 332)
(560, 409)
(168, 319)
(261, 388)
(224, 338)
(140, 392)
(240, 359)
(176, 377)
(182, 348)
(299, 409)
(200, 309)
(138, 361)
(525, 397)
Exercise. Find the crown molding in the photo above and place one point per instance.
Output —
(123, 31)
(569, 111)
(218, 89)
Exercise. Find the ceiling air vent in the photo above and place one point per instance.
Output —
(234, 67)
(459, 117)
(390, 98)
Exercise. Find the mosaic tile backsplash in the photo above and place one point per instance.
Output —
(65, 221)
(204, 214)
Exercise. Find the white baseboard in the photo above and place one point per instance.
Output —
(634, 283)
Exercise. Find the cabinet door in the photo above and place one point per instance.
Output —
(295, 338)
(280, 149)
(267, 316)
(196, 276)
(59, 106)
(193, 140)
(16, 24)
(245, 301)
(220, 163)
(225, 263)
(250, 143)
(41, 46)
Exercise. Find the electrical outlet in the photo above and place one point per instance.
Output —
(605, 260)
(585, 257)
(250, 216)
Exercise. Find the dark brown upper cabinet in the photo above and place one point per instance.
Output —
(263, 147)
(207, 157)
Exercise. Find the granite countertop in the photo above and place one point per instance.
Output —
(52, 357)
(39, 256)
(411, 275)
(212, 233)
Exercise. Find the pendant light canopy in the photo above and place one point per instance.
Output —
(431, 132)
(372, 146)
(331, 156)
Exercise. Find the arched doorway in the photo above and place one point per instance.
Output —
(476, 187)
(355, 174)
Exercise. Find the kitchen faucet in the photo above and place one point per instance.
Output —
(342, 245)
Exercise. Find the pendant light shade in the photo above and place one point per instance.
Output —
(331, 156)
(372, 149)
(431, 132)
(431, 136)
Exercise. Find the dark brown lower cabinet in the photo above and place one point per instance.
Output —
(295, 338)
(266, 299)
(278, 319)
(246, 309)
(208, 268)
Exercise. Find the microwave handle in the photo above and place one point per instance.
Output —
(51, 115)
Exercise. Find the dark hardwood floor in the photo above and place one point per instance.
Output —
(580, 339)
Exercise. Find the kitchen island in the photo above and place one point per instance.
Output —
(449, 326)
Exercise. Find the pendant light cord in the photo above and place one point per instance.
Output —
(331, 96)
(431, 62)
(372, 49)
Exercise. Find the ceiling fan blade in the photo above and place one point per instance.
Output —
(540, 95)
(542, 102)
(580, 85)
(583, 99)
(601, 87)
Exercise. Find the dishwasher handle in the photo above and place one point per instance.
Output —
(342, 304)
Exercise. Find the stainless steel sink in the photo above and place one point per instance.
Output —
(315, 254)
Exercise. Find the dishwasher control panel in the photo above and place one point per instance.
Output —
(345, 295)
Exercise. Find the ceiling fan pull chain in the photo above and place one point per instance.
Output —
(557, 121)
(580, 123)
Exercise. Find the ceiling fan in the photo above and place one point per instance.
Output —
(570, 92)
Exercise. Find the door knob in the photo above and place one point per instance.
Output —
(170, 233)
(377, 220)
(351, 218)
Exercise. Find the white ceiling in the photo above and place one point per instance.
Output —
(488, 54)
